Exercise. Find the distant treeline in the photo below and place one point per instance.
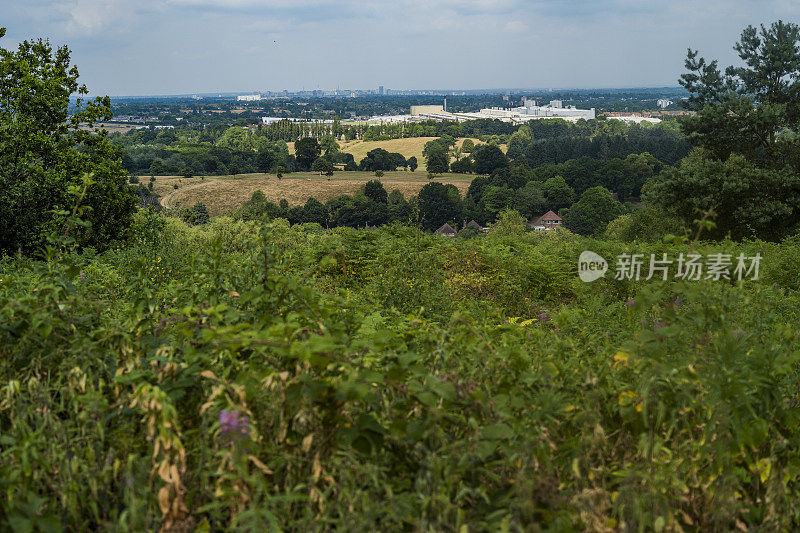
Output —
(235, 150)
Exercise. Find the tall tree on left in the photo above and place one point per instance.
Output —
(46, 147)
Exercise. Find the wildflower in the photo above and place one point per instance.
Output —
(543, 317)
(83, 276)
(776, 286)
(630, 302)
(233, 425)
(678, 301)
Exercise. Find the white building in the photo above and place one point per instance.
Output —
(637, 120)
(531, 111)
(248, 98)
(663, 103)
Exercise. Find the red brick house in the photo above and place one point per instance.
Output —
(547, 221)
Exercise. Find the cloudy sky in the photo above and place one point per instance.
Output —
(144, 47)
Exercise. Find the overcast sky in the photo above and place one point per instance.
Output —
(146, 47)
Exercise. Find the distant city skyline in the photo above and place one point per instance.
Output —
(174, 47)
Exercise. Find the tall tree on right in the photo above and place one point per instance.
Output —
(745, 109)
(746, 166)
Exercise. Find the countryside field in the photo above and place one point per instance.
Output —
(222, 194)
(409, 147)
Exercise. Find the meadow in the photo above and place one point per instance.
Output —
(224, 194)
(408, 147)
(256, 376)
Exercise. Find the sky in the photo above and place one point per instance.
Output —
(148, 47)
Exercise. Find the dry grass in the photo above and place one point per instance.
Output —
(223, 194)
(409, 147)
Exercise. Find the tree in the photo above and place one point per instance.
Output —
(306, 151)
(44, 155)
(495, 199)
(530, 200)
(462, 166)
(156, 167)
(315, 211)
(519, 141)
(749, 201)
(745, 109)
(412, 163)
(329, 145)
(437, 159)
(399, 208)
(380, 159)
(265, 160)
(374, 190)
(591, 214)
(467, 146)
(488, 159)
(558, 193)
(438, 205)
(199, 214)
(323, 166)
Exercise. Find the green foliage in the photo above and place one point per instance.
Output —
(374, 190)
(439, 204)
(323, 166)
(437, 158)
(489, 158)
(44, 153)
(241, 375)
(743, 110)
(557, 193)
(307, 150)
(644, 224)
(591, 214)
(749, 201)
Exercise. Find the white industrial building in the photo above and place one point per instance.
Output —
(248, 98)
(636, 119)
(530, 111)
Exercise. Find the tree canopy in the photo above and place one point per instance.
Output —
(45, 155)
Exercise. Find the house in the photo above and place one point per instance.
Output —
(547, 221)
(474, 225)
(446, 230)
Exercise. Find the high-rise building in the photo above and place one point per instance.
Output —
(380, 90)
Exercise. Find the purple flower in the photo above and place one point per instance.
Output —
(678, 301)
(542, 317)
(630, 303)
(657, 324)
(776, 286)
(83, 276)
(605, 292)
(233, 425)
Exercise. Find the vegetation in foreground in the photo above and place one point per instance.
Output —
(249, 376)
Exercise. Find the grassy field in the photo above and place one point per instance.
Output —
(222, 194)
(411, 146)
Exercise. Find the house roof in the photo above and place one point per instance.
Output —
(445, 229)
(549, 216)
(473, 224)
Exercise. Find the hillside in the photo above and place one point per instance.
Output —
(408, 147)
(223, 194)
